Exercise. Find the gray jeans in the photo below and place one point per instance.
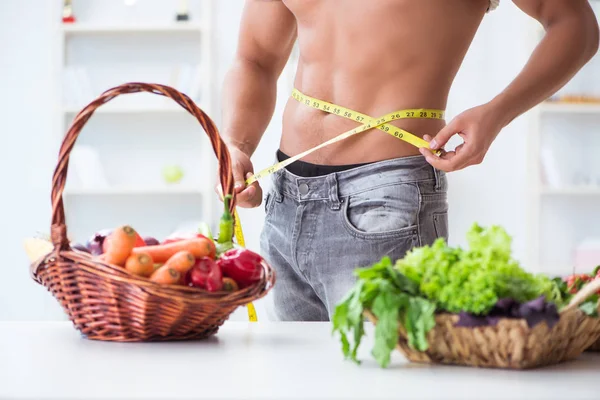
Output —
(318, 230)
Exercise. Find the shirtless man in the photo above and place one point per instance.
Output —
(349, 204)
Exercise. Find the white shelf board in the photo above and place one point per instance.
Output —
(128, 109)
(572, 191)
(83, 28)
(570, 108)
(126, 191)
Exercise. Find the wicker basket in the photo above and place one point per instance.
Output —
(511, 343)
(104, 301)
(595, 346)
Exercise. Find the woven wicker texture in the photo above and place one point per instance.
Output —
(595, 346)
(105, 302)
(511, 343)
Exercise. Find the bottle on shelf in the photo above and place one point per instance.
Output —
(183, 13)
(68, 17)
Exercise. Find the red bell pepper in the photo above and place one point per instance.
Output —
(241, 265)
(205, 274)
(214, 279)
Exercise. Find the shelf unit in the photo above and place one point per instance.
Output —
(135, 118)
(127, 109)
(571, 191)
(133, 191)
(551, 107)
(560, 215)
(81, 29)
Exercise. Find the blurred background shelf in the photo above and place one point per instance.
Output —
(572, 191)
(91, 28)
(129, 109)
(564, 172)
(135, 191)
(570, 108)
(116, 167)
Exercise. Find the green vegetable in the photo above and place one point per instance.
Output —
(224, 241)
(226, 223)
(474, 280)
(439, 278)
(391, 297)
(590, 306)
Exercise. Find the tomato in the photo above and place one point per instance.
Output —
(139, 241)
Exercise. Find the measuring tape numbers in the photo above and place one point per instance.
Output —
(381, 123)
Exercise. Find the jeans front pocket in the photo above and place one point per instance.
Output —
(389, 211)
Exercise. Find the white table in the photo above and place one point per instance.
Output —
(255, 361)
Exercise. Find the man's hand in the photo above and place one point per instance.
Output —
(478, 127)
(266, 38)
(246, 196)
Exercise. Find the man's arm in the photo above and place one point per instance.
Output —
(571, 40)
(267, 36)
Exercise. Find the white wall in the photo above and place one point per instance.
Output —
(29, 151)
(491, 193)
(495, 191)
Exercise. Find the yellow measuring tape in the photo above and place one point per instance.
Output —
(239, 237)
(381, 123)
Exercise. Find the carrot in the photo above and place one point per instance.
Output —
(199, 247)
(165, 275)
(119, 245)
(181, 261)
(229, 285)
(140, 264)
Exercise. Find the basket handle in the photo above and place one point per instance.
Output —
(58, 227)
(583, 294)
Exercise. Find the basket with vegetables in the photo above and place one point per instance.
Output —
(474, 307)
(122, 287)
(574, 283)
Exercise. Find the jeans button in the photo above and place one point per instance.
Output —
(303, 188)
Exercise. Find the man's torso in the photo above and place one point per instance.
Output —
(374, 57)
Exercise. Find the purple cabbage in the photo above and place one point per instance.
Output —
(150, 241)
(534, 312)
(79, 247)
(94, 244)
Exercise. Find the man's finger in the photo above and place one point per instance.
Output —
(246, 195)
(446, 155)
(451, 161)
(251, 196)
(442, 137)
(238, 179)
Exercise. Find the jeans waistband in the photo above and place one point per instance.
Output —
(341, 184)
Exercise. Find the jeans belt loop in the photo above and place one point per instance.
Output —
(333, 192)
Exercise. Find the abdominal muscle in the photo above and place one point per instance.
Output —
(403, 54)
